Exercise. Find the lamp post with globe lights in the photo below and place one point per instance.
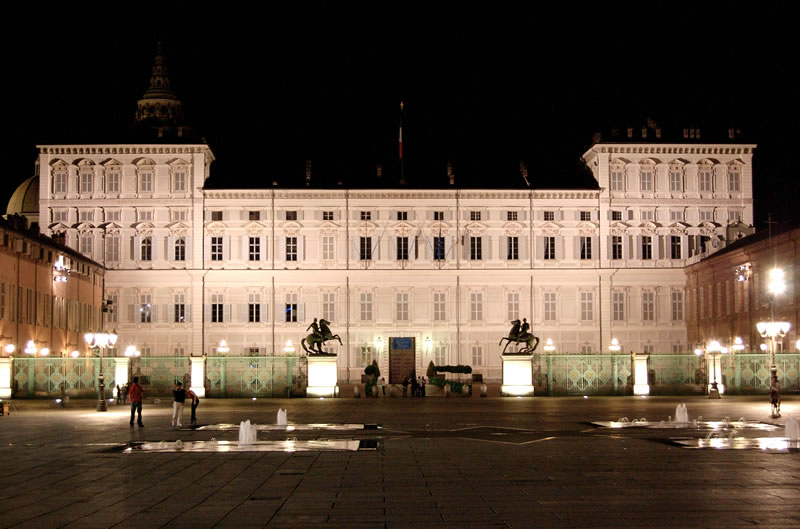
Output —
(774, 330)
(98, 342)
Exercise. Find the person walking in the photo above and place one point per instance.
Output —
(118, 391)
(414, 387)
(421, 386)
(195, 402)
(775, 396)
(179, 395)
(135, 392)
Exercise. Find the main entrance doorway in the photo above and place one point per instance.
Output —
(402, 361)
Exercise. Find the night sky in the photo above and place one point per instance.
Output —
(484, 86)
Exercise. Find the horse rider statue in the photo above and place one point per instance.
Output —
(321, 333)
(520, 333)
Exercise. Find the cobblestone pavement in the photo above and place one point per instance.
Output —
(440, 462)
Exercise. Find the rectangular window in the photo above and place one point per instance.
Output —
(477, 355)
(438, 215)
(329, 306)
(617, 180)
(146, 182)
(646, 181)
(476, 306)
(677, 306)
(402, 306)
(648, 306)
(327, 249)
(734, 216)
(366, 215)
(254, 248)
(549, 306)
(178, 215)
(147, 249)
(365, 248)
(145, 215)
(86, 216)
(59, 182)
(475, 253)
(675, 246)
(216, 248)
(112, 182)
(440, 355)
(616, 247)
(616, 215)
(512, 305)
(647, 214)
(549, 248)
(586, 248)
(253, 215)
(648, 348)
(707, 215)
(647, 247)
(586, 215)
(511, 215)
(675, 181)
(290, 311)
(402, 215)
(291, 215)
(587, 306)
(61, 215)
(439, 306)
(402, 248)
(253, 307)
(513, 248)
(327, 215)
(180, 249)
(705, 179)
(180, 308)
(366, 355)
(549, 215)
(112, 249)
(179, 182)
(85, 243)
(366, 306)
(145, 308)
(438, 248)
(217, 313)
(112, 308)
(216, 215)
(474, 215)
(86, 182)
(291, 248)
(618, 306)
(2, 301)
(734, 181)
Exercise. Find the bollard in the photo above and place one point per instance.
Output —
(335, 391)
(447, 390)
(356, 392)
(484, 390)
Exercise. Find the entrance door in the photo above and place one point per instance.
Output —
(402, 360)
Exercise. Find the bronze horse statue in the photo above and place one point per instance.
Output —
(519, 334)
(321, 334)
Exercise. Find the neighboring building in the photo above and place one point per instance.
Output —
(189, 266)
(728, 294)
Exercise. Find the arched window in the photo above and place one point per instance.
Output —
(147, 249)
(180, 249)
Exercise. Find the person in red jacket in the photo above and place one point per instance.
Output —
(135, 392)
(195, 402)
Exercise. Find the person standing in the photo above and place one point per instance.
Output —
(775, 396)
(179, 395)
(195, 402)
(422, 386)
(405, 387)
(135, 392)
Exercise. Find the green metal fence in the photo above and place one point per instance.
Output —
(676, 374)
(582, 374)
(158, 374)
(255, 376)
(749, 373)
(47, 377)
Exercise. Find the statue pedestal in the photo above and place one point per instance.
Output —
(640, 384)
(517, 375)
(321, 376)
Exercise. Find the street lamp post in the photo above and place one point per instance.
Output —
(773, 330)
(715, 349)
(98, 342)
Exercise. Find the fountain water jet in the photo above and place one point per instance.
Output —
(247, 433)
(681, 414)
(792, 429)
(281, 417)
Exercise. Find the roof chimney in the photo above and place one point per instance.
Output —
(450, 174)
(308, 173)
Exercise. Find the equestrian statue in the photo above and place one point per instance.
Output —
(520, 333)
(320, 334)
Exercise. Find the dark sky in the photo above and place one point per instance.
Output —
(269, 88)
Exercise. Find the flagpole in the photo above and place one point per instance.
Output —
(400, 146)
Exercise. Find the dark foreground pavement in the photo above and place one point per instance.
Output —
(457, 462)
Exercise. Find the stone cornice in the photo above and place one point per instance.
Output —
(674, 148)
(391, 194)
(124, 149)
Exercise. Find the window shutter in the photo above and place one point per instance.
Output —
(280, 312)
(559, 247)
(301, 312)
(137, 248)
(264, 253)
(206, 250)
(376, 248)
(448, 248)
(576, 247)
(226, 316)
(207, 313)
(282, 254)
(595, 247)
(245, 248)
(153, 313)
(187, 313)
(132, 313)
(226, 248)
(264, 312)
(609, 247)
(354, 248)
(154, 248)
(465, 245)
(170, 253)
(504, 247)
(486, 247)
(301, 248)
(523, 247)
(244, 312)
(539, 247)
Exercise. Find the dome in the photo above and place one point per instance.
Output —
(25, 200)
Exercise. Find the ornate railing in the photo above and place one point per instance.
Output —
(582, 374)
(749, 373)
(46, 377)
(255, 376)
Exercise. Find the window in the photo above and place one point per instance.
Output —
(112, 181)
(216, 248)
(145, 215)
(618, 306)
(677, 305)
(647, 214)
(291, 248)
(60, 180)
(179, 314)
(648, 348)
(646, 181)
(475, 252)
(477, 355)
(476, 306)
(217, 308)
(734, 181)
(61, 215)
(254, 249)
(180, 249)
(327, 215)
(216, 215)
(85, 244)
(440, 355)
(675, 246)
(474, 215)
(438, 248)
(329, 306)
(253, 307)
(439, 306)
(291, 215)
(146, 182)
(112, 308)
(290, 308)
(647, 247)
(86, 216)
(706, 215)
(438, 215)
(511, 215)
(617, 179)
(366, 306)
(676, 215)
(513, 248)
(87, 177)
(402, 248)
(178, 214)
(648, 306)
(179, 181)
(253, 215)
(512, 304)
(586, 215)
(675, 181)
(147, 249)
(145, 308)
(587, 349)
(705, 185)
(2, 301)
(401, 306)
(549, 215)
(616, 247)
(367, 356)
(112, 248)
(549, 248)
(402, 215)
(327, 249)
(365, 248)
(586, 247)
(366, 215)
(549, 306)
(734, 216)
(616, 215)
(587, 306)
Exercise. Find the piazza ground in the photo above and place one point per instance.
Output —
(440, 462)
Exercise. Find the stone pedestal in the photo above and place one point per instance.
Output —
(517, 375)
(321, 376)
(714, 368)
(197, 382)
(640, 384)
(121, 370)
(6, 372)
